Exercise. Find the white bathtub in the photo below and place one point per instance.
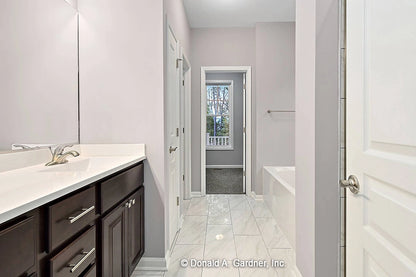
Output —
(279, 195)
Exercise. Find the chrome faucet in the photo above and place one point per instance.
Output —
(58, 155)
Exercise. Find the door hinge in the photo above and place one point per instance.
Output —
(244, 173)
(183, 178)
(244, 86)
(183, 130)
(244, 130)
(183, 82)
(177, 62)
(177, 132)
(177, 201)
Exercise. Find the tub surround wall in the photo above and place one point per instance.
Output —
(279, 195)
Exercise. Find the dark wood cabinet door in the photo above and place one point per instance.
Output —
(113, 239)
(18, 248)
(135, 230)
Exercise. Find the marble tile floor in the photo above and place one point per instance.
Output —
(228, 227)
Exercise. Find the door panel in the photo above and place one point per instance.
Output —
(135, 229)
(18, 245)
(114, 243)
(381, 137)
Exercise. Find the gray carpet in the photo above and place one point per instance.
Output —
(224, 180)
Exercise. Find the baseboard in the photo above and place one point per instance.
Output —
(225, 166)
(196, 194)
(153, 264)
(256, 196)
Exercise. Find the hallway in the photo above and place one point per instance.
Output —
(228, 227)
(224, 180)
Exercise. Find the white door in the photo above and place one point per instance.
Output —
(381, 137)
(173, 133)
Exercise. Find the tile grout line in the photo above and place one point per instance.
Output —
(232, 228)
(262, 238)
(206, 233)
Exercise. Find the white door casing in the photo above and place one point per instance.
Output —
(381, 138)
(247, 112)
(244, 130)
(173, 115)
(187, 124)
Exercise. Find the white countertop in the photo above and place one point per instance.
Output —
(24, 189)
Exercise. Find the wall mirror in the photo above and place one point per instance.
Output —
(38, 73)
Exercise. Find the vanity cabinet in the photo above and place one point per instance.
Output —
(97, 230)
(122, 228)
(123, 236)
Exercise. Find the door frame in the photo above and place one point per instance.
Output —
(248, 126)
(185, 122)
(170, 240)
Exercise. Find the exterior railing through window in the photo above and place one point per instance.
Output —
(218, 140)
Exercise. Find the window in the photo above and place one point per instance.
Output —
(219, 115)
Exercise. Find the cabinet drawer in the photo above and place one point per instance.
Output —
(76, 257)
(70, 216)
(118, 187)
(92, 272)
(18, 248)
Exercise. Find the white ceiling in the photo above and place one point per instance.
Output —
(237, 13)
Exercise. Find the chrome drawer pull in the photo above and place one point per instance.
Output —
(72, 219)
(78, 264)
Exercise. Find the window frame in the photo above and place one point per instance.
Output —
(230, 84)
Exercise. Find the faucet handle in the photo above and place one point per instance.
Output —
(60, 148)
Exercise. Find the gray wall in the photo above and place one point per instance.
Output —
(275, 90)
(216, 47)
(235, 156)
(317, 146)
(176, 16)
(269, 49)
(115, 103)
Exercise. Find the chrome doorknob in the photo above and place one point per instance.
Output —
(172, 149)
(352, 183)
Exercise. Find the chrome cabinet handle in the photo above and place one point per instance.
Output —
(172, 149)
(78, 264)
(352, 183)
(133, 201)
(72, 219)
